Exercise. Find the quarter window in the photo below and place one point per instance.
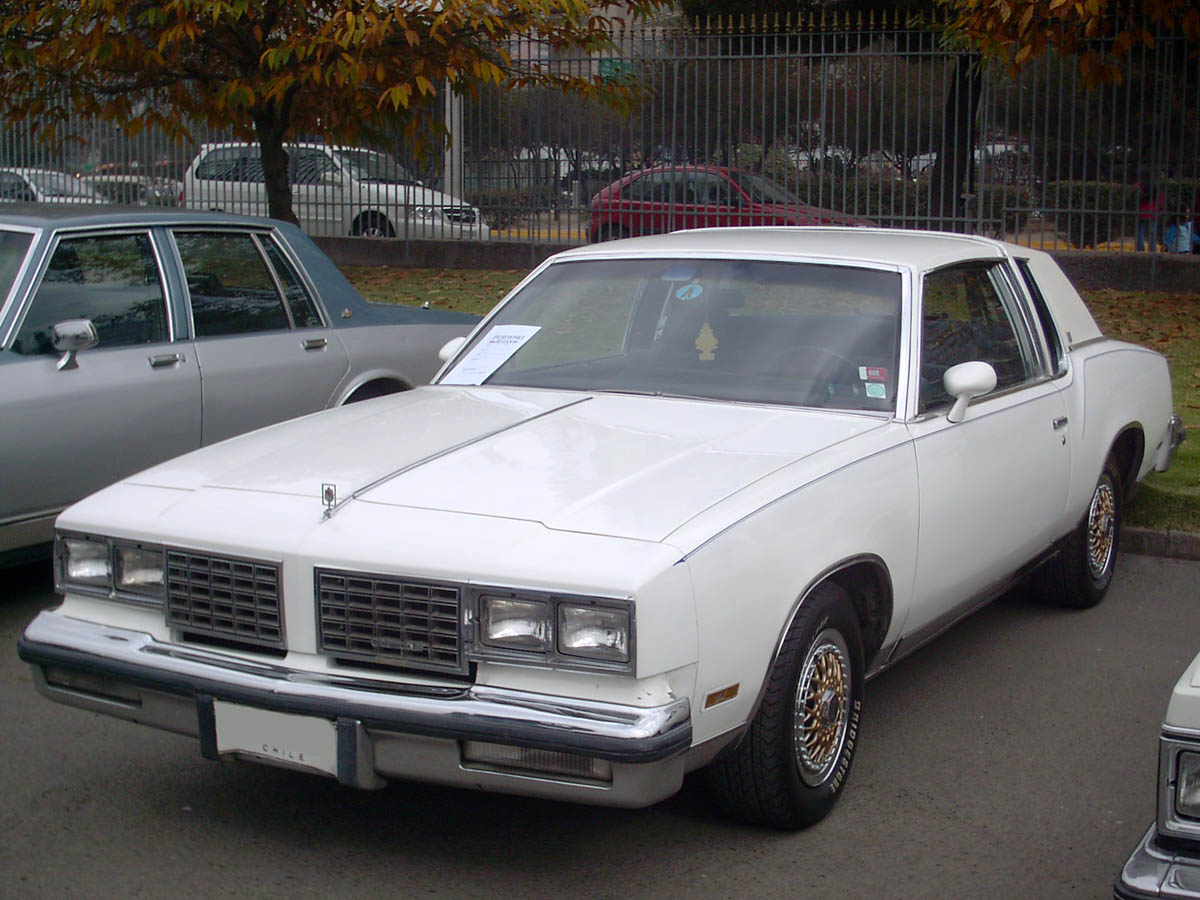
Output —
(965, 318)
(113, 280)
(231, 287)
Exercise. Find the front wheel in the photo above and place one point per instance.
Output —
(793, 761)
(372, 225)
(1080, 574)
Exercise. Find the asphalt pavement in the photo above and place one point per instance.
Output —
(1014, 757)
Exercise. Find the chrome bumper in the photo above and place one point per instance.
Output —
(383, 729)
(1154, 870)
(1176, 434)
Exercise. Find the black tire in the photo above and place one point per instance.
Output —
(1080, 574)
(787, 771)
(372, 224)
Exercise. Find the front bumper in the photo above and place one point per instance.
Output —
(1155, 870)
(382, 729)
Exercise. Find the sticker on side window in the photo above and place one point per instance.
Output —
(496, 348)
(872, 373)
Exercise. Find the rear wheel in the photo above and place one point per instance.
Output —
(1080, 574)
(793, 761)
(372, 224)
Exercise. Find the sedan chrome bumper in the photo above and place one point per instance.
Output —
(1154, 870)
(1176, 434)
(382, 728)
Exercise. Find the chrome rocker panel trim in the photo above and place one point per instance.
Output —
(131, 675)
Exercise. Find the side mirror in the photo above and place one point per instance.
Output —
(71, 336)
(451, 347)
(965, 382)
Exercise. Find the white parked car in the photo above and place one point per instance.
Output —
(335, 191)
(24, 185)
(1166, 862)
(667, 508)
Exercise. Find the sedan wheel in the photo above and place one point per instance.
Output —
(1080, 574)
(793, 761)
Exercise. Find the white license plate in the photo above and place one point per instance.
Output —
(280, 738)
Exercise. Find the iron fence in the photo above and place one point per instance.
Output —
(749, 122)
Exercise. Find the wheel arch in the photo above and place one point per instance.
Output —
(867, 582)
(1129, 448)
(376, 385)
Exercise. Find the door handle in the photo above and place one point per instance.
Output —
(162, 360)
(1060, 422)
(315, 343)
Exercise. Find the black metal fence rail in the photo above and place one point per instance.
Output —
(863, 118)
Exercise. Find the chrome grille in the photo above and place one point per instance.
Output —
(389, 620)
(463, 215)
(232, 599)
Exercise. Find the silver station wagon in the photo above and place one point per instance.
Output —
(127, 338)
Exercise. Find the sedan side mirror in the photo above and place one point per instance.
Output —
(965, 382)
(71, 336)
(450, 348)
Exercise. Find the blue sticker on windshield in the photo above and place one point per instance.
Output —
(689, 292)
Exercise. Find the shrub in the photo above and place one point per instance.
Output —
(504, 207)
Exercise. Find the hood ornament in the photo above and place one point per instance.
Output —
(329, 498)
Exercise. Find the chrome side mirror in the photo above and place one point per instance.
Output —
(964, 382)
(451, 347)
(71, 336)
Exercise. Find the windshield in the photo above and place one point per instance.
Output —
(801, 334)
(380, 168)
(761, 190)
(60, 184)
(13, 247)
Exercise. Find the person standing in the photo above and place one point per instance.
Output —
(1150, 207)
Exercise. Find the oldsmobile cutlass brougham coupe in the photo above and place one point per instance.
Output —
(666, 508)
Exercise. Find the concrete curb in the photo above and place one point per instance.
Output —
(1170, 544)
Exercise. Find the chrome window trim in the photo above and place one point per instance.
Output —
(26, 300)
(12, 302)
(275, 280)
(253, 233)
(298, 270)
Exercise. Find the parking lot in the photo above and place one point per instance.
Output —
(1013, 757)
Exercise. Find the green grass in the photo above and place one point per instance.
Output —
(1169, 323)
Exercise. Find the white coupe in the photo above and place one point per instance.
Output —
(668, 507)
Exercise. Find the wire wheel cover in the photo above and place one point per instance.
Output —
(821, 711)
(1101, 530)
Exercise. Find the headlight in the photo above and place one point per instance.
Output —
(113, 568)
(427, 212)
(594, 632)
(86, 561)
(1187, 790)
(139, 570)
(561, 632)
(518, 624)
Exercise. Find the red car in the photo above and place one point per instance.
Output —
(671, 198)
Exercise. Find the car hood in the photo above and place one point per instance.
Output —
(407, 194)
(624, 466)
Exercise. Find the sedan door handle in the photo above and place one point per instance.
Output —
(162, 360)
(1060, 422)
(315, 343)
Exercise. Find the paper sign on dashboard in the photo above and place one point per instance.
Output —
(496, 348)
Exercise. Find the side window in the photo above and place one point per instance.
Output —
(965, 318)
(710, 190)
(307, 166)
(112, 280)
(304, 311)
(13, 187)
(1053, 343)
(231, 288)
(220, 164)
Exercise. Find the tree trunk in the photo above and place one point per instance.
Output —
(956, 152)
(269, 127)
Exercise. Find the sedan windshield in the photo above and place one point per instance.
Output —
(758, 331)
